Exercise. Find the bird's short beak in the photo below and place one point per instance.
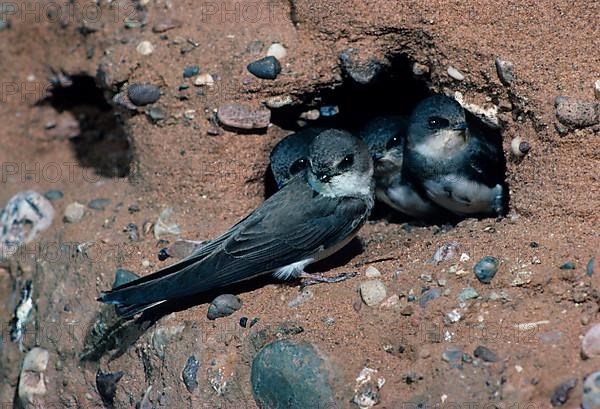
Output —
(377, 156)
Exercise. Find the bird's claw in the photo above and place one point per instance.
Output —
(311, 279)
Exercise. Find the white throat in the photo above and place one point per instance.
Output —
(442, 144)
(345, 184)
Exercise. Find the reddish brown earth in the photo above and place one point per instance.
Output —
(212, 181)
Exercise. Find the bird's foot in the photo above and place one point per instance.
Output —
(311, 279)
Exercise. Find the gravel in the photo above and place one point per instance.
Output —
(143, 94)
(267, 68)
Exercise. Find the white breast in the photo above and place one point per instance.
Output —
(461, 195)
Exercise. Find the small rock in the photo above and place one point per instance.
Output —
(597, 90)
(486, 269)
(372, 292)
(204, 79)
(132, 229)
(162, 227)
(155, 113)
(372, 272)
(143, 94)
(485, 354)
(589, 269)
(244, 322)
(190, 71)
(311, 115)
(560, 396)
(189, 374)
(267, 68)
(455, 74)
(123, 100)
(99, 204)
(279, 101)
(223, 306)
(366, 391)
(36, 360)
(428, 296)
(329, 110)
(145, 48)
(567, 266)
(446, 252)
(74, 212)
(505, 71)
(286, 374)
(577, 114)
(54, 195)
(362, 70)
(32, 386)
(453, 316)
(452, 355)
(277, 50)
(522, 278)
(590, 345)
(303, 297)
(519, 147)
(591, 392)
(106, 383)
(420, 69)
(163, 254)
(468, 293)
(166, 24)
(123, 276)
(242, 117)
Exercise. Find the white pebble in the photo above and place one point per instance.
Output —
(74, 212)
(36, 360)
(464, 257)
(311, 115)
(372, 292)
(145, 263)
(597, 90)
(456, 74)
(145, 48)
(591, 342)
(204, 79)
(277, 50)
(372, 272)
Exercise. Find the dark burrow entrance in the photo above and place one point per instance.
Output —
(102, 144)
(395, 90)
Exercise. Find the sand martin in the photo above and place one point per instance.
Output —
(386, 137)
(458, 165)
(310, 218)
(290, 156)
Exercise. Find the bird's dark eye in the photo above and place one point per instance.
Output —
(346, 162)
(436, 122)
(392, 143)
(298, 166)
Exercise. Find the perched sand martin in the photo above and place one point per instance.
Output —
(386, 137)
(310, 218)
(290, 156)
(453, 159)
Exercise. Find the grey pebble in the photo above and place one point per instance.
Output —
(361, 70)
(132, 229)
(240, 116)
(191, 71)
(567, 266)
(468, 293)
(486, 269)
(106, 383)
(560, 396)
(589, 269)
(143, 94)
(123, 276)
(54, 195)
(189, 373)
(99, 204)
(267, 68)
(505, 71)
(156, 113)
(485, 354)
(223, 306)
(74, 212)
(429, 295)
(452, 355)
(575, 113)
(591, 392)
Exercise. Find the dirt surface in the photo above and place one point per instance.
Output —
(212, 177)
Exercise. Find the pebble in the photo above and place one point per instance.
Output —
(267, 68)
(74, 212)
(567, 266)
(428, 296)
(99, 204)
(372, 292)
(452, 355)
(468, 293)
(485, 354)
(133, 231)
(361, 70)
(311, 115)
(486, 269)
(519, 147)
(223, 306)
(301, 298)
(166, 25)
(143, 94)
(590, 345)
(420, 69)
(25, 215)
(189, 373)
(145, 48)
(597, 90)
(244, 322)
(575, 113)
(288, 374)
(589, 269)
(240, 116)
(190, 71)
(123, 276)
(32, 386)
(372, 272)
(277, 50)
(106, 383)
(279, 101)
(560, 396)
(204, 79)
(522, 278)
(366, 391)
(163, 254)
(504, 69)
(162, 227)
(155, 113)
(591, 392)
(54, 195)
(329, 110)
(455, 74)
(446, 252)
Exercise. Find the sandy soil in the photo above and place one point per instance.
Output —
(211, 181)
